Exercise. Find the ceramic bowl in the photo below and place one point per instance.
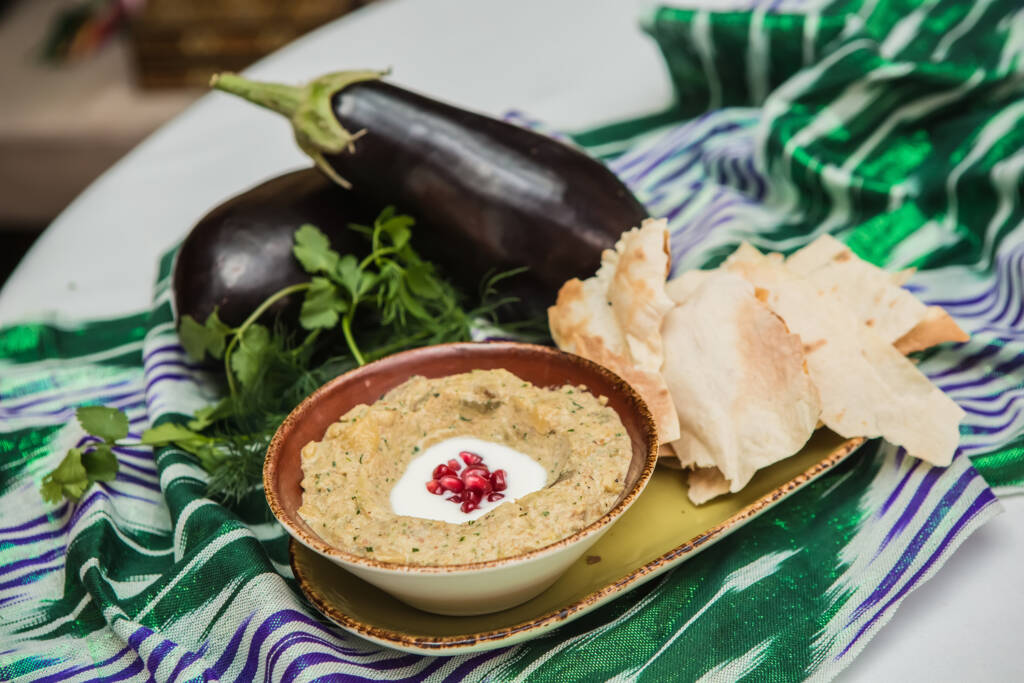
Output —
(463, 589)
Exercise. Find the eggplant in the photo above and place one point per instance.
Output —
(240, 253)
(487, 195)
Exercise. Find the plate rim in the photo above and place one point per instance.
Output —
(492, 639)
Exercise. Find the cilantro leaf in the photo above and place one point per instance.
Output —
(52, 491)
(313, 250)
(70, 479)
(199, 340)
(170, 432)
(367, 281)
(246, 359)
(397, 229)
(182, 437)
(110, 424)
(210, 456)
(207, 415)
(76, 489)
(217, 333)
(421, 281)
(100, 463)
(70, 468)
(410, 303)
(79, 469)
(348, 274)
(193, 337)
(387, 300)
(322, 305)
(362, 229)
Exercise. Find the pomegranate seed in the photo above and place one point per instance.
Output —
(476, 470)
(478, 483)
(470, 485)
(452, 483)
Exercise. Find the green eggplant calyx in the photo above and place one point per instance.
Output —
(309, 108)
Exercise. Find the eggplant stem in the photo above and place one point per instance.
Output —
(309, 108)
(240, 330)
(284, 99)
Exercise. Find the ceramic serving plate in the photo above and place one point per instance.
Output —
(659, 531)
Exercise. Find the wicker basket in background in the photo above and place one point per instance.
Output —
(180, 43)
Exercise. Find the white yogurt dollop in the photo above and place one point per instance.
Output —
(411, 497)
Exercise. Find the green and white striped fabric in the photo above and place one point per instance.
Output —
(897, 127)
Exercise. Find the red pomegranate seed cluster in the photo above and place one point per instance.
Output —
(472, 485)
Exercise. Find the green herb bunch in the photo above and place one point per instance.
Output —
(389, 301)
(92, 462)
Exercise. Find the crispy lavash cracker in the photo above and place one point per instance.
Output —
(867, 387)
(738, 381)
(874, 296)
(614, 318)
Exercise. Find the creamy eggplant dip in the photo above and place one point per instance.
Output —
(465, 468)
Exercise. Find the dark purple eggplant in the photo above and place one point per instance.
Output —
(240, 253)
(487, 194)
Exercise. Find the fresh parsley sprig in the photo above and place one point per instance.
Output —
(89, 463)
(385, 302)
(84, 465)
(404, 292)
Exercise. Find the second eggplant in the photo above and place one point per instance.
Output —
(496, 195)
(240, 253)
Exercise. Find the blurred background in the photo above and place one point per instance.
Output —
(83, 81)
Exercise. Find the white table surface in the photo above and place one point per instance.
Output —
(572, 63)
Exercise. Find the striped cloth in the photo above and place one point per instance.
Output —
(895, 126)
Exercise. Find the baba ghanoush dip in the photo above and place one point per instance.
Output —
(465, 468)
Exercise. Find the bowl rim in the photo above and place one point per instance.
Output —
(315, 543)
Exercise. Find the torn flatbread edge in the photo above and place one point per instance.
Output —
(937, 327)
(576, 328)
(636, 291)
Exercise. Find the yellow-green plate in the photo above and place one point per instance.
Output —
(659, 531)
